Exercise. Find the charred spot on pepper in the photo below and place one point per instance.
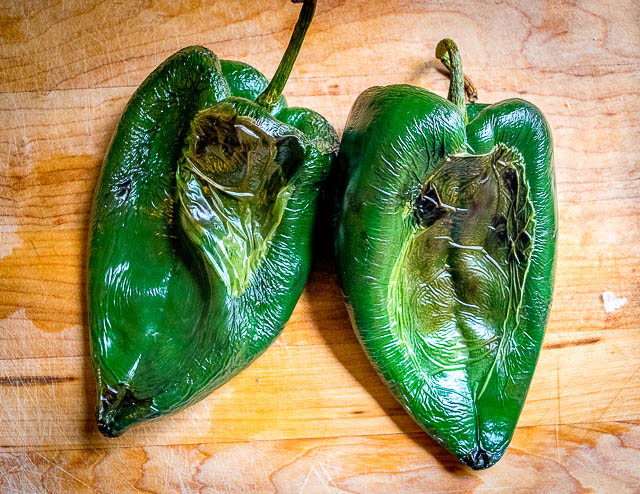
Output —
(241, 159)
(214, 131)
(427, 208)
(108, 395)
(116, 408)
(499, 226)
(122, 190)
(520, 245)
(524, 240)
(217, 143)
(510, 179)
(290, 154)
(479, 458)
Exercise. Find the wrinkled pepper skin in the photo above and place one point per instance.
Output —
(200, 239)
(445, 246)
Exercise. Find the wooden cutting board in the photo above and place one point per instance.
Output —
(311, 415)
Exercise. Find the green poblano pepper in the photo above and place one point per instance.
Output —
(445, 243)
(201, 230)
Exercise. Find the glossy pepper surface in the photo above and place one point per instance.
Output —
(445, 244)
(201, 230)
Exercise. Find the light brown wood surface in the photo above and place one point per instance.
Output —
(311, 415)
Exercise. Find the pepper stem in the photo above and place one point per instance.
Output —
(271, 95)
(460, 85)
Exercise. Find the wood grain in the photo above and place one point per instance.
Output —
(568, 459)
(311, 415)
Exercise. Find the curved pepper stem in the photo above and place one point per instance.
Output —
(271, 95)
(461, 85)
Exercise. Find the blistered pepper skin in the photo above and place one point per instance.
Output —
(431, 283)
(200, 236)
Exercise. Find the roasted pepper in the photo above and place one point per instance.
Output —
(201, 230)
(445, 244)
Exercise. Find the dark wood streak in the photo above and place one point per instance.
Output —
(588, 341)
(33, 380)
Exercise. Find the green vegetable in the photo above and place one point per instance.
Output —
(445, 243)
(200, 239)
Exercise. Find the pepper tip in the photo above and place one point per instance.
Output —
(107, 429)
(480, 459)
